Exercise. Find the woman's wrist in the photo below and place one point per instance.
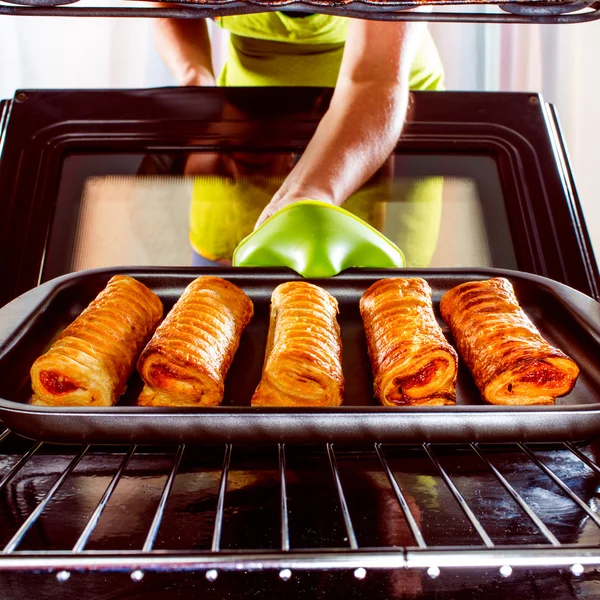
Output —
(293, 193)
(197, 76)
(280, 201)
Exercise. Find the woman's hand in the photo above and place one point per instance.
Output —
(279, 201)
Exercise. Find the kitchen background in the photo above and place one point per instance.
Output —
(560, 61)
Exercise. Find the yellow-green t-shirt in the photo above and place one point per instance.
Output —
(274, 49)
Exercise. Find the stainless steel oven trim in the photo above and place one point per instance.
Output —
(5, 107)
(574, 207)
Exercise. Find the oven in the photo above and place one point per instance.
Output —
(97, 179)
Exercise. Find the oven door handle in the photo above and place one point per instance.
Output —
(5, 106)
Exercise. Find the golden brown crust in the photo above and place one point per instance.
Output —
(508, 358)
(91, 360)
(187, 359)
(303, 360)
(412, 362)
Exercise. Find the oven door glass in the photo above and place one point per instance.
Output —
(182, 208)
(178, 176)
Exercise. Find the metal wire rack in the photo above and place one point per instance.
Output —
(486, 501)
(513, 11)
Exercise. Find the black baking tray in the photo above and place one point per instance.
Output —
(568, 319)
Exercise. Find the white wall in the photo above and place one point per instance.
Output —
(77, 53)
(558, 61)
(575, 91)
(56, 52)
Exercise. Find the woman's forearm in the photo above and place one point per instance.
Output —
(364, 121)
(354, 138)
(184, 46)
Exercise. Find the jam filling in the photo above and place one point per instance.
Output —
(420, 378)
(543, 375)
(57, 384)
(158, 373)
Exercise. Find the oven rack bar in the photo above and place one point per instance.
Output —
(286, 558)
(481, 532)
(20, 533)
(412, 523)
(351, 535)
(518, 498)
(454, 557)
(216, 540)
(93, 520)
(158, 515)
(285, 530)
(514, 11)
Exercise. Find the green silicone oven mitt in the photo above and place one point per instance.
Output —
(316, 239)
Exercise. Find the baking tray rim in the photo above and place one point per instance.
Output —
(256, 412)
(577, 303)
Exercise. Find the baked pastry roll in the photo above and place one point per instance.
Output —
(303, 359)
(508, 358)
(412, 362)
(187, 359)
(90, 362)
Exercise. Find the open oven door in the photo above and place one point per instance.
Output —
(105, 178)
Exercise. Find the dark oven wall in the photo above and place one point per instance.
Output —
(103, 178)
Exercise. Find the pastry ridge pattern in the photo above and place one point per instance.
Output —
(509, 359)
(91, 360)
(186, 361)
(303, 359)
(413, 364)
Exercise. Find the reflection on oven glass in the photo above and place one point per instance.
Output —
(205, 203)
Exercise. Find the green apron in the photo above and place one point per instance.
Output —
(274, 49)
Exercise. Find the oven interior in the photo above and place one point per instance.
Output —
(321, 520)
